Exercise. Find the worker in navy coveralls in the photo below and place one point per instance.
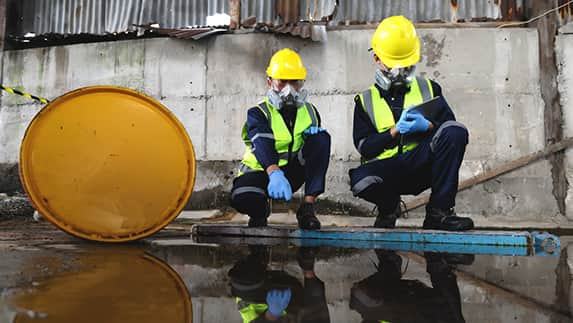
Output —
(285, 147)
(382, 120)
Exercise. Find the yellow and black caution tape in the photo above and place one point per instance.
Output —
(24, 94)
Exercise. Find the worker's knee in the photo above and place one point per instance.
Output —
(360, 184)
(451, 133)
(248, 199)
(318, 141)
(317, 148)
(371, 193)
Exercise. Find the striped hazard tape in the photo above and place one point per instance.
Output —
(24, 94)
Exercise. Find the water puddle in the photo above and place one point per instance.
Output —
(181, 280)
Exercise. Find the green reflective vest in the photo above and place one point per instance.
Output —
(250, 311)
(380, 113)
(287, 145)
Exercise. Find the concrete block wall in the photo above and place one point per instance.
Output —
(489, 76)
(564, 51)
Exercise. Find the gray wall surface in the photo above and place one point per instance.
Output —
(564, 49)
(490, 77)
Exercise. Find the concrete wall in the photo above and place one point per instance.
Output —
(564, 50)
(489, 76)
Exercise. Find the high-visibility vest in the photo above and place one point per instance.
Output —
(250, 311)
(287, 145)
(380, 113)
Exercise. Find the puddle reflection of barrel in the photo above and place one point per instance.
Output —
(107, 163)
(126, 286)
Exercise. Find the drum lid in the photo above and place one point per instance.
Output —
(107, 163)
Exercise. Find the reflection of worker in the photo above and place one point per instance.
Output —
(392, 165)
(286, 147)
(264, 295)
(386, 296)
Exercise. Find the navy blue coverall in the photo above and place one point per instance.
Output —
(434, 163)
(309, 168)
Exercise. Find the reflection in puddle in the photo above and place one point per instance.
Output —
(364, 285)
(385, 295)
(265, 294)
(112, 285)
(238, 282)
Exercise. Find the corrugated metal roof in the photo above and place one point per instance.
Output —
(565, 13)
(263, 10)
(189, 33)
(372, 11)
(106, 16)
(113, 16)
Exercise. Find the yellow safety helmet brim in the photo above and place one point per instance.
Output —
(286, 64)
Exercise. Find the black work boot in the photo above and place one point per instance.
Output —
(259, 220)
(439, 219)
(387, 220)
(306, 218)
(305, 257)
(389, 264)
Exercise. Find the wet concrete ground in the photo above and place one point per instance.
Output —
(49, 276)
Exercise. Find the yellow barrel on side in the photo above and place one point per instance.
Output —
(107, 163)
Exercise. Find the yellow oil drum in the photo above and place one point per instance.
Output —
(107, 163)
(113, 286)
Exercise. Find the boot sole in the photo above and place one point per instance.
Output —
(309, 228)
(456, 228)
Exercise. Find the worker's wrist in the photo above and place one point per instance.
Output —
(430, 126)
(271, 317)
(272, 168)
(393, 132)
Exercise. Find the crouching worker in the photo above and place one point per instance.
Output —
(402, 151)
(285, 147)
(266, 295)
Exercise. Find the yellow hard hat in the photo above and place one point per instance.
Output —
(286, 65)
(395, 42)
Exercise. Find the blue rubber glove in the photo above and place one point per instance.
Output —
(312, 130)
(402, 121)
(279, 187)
(277, 301)
(412, 122)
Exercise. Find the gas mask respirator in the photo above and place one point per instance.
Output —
(395, 77)
(288, 97)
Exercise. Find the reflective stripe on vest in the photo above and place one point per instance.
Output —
(380, 113)
(305, 117)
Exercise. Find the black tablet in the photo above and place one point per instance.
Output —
(435, 110)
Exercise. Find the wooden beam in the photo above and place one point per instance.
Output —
(498, 170)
